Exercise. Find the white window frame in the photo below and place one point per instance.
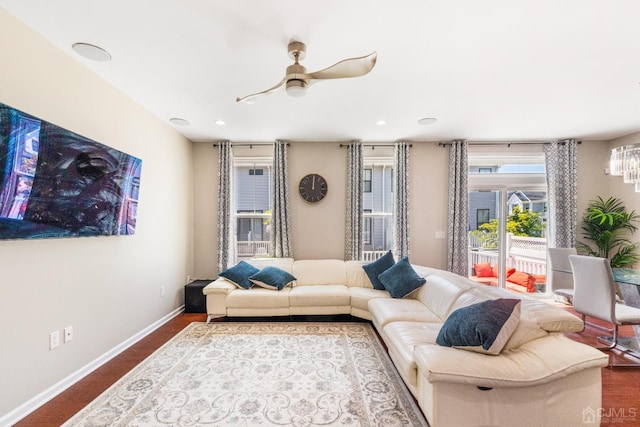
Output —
(250, 249)
(369, 214)
(491, 156)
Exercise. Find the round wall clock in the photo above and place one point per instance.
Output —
(313, 188)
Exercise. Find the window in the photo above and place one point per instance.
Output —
(252, 194)
(377, 207)
(512, 202)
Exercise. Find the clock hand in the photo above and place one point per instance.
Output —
(313, 183)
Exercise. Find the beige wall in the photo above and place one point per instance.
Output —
(107, 288)
(593, 159)
(318, 229)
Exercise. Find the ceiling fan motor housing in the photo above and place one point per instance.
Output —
(296, 85)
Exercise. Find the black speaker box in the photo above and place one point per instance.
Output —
(194, 299)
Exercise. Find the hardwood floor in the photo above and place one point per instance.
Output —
(620, 402)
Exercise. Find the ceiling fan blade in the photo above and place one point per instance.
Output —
(352, 67)
(254, 96)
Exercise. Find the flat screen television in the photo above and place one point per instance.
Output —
(55, 183)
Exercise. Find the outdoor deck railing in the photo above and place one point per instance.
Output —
(526, 254)
(246, 248)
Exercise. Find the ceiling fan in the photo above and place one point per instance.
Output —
(297, 79)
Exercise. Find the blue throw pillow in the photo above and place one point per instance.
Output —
(239, 274)
(484, 327)
(378, 267)
(272, 278)
(401, 279)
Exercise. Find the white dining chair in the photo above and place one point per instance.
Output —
(595, 296)
(561, 277)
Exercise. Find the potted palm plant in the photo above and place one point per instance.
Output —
(607, 225)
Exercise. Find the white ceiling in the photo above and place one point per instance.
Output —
(491, 70)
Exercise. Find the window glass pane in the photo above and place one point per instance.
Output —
(366, 181)
(252, 195)
(377, 208)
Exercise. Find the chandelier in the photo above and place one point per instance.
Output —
(625, 162)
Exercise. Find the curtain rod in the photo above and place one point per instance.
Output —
(374, 145)
(249, 145)
(508, 144)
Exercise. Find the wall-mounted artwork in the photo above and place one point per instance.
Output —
(56, 183)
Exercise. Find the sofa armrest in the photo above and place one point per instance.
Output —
(536, 362)
(219, 286)
(216, 294)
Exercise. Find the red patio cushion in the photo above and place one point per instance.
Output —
(483, 269)
(509, 271)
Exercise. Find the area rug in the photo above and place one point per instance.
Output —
(260, 374)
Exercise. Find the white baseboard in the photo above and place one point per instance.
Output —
(34, 403)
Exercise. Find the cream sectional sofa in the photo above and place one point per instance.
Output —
(541, 378)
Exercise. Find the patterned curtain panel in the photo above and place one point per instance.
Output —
(457, 240)
(401, 201)
(280, 217)
(353, 236)
(225, 206)
(562, 187)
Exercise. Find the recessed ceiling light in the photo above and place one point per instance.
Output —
(381, 122)
(427, 121)
(178, 121)
(220, 122)
(92, 52)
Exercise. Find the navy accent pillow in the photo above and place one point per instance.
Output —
(401, 279)
(378, 267)
(484, 327)
(272, 278)
(239, 274)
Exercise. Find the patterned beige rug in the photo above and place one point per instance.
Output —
(260, 374)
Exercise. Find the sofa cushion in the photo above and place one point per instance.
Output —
(377, 267)
(272, 278)
(239, 274)
(320, 272)
(483, 327)
(258, 298)
(441, 292)
(402, 338)
(386, 310)
(356, 276)
(285, 264)
(360, 297)
(401, 279)
(320, 295)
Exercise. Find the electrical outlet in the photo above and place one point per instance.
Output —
(54, 339)
(68, 334)
(162, 291)
(188, 279)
